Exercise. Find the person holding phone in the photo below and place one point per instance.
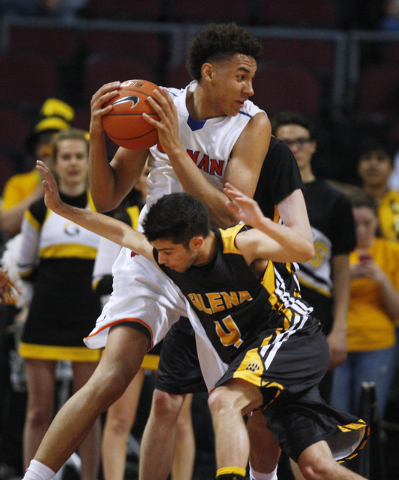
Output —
(373, 309)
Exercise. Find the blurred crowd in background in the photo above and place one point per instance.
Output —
(334, 61)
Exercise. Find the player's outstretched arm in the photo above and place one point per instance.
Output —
(245, 208)
(269, 240)
(98, 223)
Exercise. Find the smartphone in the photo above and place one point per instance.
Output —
(364, 257)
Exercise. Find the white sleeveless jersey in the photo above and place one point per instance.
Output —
(209, 143)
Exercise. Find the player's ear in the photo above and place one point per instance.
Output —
(196, 242)
(207, 71)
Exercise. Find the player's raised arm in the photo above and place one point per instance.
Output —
(270, 240)
(102, 225)
(110, 182)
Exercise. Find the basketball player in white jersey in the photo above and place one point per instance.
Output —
(210, 133)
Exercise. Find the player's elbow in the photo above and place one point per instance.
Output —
(303, 253)
(104, 205)
(307, 252)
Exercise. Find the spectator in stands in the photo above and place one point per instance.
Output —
(376, 157)
(21, 190)
(324, 279)
(59, 257)
(373, 308)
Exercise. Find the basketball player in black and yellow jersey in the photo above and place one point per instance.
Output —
(272, 349)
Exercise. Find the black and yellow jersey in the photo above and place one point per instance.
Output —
(233, 304)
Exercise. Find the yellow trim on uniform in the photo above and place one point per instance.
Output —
(228, 238)
(52, 352)
(269, 282)
(134, 213)
(65, 250)
(251, 368)
(276, 215)
(352, 426)
(322, 291)
(231, 471)
(32, 220)
(150, 362)
(90, 202)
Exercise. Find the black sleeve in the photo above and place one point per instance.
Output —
(343, 227)
(38, 209)
(279, 177)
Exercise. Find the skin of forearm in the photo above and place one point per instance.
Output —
(296, 244)
(195, 184)
(101, 176)
(11, 219)
(108, 227)
(391, 298)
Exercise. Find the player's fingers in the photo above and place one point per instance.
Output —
(158, 107)
(168, 98)
(231, 206)
(163, 101)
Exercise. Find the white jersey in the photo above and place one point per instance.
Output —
(142, 292)
(209, 143)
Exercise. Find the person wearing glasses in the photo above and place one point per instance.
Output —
(325, 278)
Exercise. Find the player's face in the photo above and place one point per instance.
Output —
(175, 256)
(298, 139)
(366, 223)
(375, 168)
(232, 84)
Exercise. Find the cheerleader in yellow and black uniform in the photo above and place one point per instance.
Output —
(58, 256)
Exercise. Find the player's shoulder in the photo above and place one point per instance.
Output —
(250, 109)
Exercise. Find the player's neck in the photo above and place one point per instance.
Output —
(199, 106)
(208, 249)
(72, 189)
(307, 174)
(377, 191)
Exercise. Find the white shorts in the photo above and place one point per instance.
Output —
(141, 293)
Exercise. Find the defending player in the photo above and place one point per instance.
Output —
(274, 350)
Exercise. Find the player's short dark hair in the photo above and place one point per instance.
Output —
(177, 217)
(291, 118)
(370, 145)
(217, 42)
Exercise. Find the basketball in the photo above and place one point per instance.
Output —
(124, 124)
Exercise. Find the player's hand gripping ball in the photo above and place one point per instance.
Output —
(124, 124)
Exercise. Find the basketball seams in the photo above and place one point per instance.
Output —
(125, 118)
(132, 138)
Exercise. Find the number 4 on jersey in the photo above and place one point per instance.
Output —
(228, 332)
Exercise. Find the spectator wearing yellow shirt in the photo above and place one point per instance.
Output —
(373, 308)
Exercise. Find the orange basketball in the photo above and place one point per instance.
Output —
(124, 124)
